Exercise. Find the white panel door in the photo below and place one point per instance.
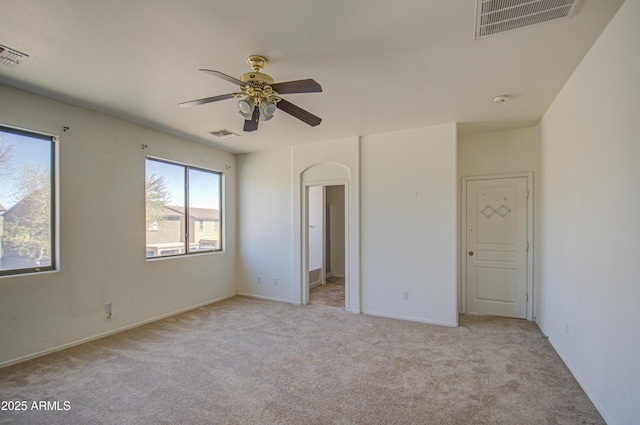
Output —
(496, 246)
(315, 227)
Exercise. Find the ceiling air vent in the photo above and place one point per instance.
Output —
(497, 16)
(11, 57)
(224, 134)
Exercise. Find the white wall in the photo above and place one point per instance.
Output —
(102, 234)
(316, 229)
(589, 268)
(498, 152)
(408, 223)
(265, 223)
(402, 216)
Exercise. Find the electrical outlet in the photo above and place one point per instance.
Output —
(405, 295)
(566, 328)
(259, 280)
(275, 281)
(108, 308)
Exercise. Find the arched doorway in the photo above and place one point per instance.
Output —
(323, 175)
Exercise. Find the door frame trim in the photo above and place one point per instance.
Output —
(304, 281)
(463, 236)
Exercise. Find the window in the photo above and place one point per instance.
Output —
(27, 176)
(183, 209)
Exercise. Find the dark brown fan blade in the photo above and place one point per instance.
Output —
(299, 86)
(223, 76)
(206, 100)
(252, 125)
(298, 112)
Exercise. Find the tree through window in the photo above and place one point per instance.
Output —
(26, 201)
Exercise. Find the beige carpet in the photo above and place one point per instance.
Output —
(247, 361)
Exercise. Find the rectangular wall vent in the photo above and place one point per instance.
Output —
(10, 57)
(224, 134)
(497, 16)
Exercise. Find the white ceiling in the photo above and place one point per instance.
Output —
(383, 65)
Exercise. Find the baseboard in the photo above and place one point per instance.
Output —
(603, 412)
(262, 297)
(111, 332)
(411, 319)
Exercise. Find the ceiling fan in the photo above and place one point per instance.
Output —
(260, 95)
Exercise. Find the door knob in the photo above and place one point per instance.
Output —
(471, 253)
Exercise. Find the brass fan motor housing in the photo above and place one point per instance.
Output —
(257, 63)
(258, 85)
(256, 76)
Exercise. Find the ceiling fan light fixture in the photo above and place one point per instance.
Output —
(245, 115)
(267, 109)
(246, 106)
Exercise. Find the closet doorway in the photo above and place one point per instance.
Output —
(326, 238)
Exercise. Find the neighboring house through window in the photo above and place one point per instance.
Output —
(27, 207)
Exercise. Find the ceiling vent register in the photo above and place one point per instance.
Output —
(498, 16)
(10, 57)
(224, 134)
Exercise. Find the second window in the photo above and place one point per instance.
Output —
(183, 209)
